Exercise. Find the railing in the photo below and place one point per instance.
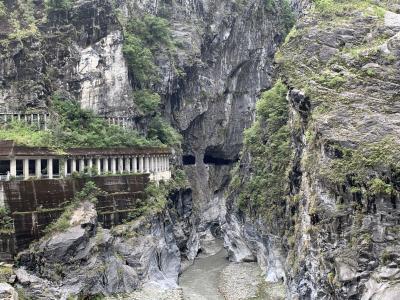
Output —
(41, 120)
(34, 119)
(124, 122)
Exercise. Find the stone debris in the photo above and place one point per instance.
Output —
(241, 281)
(7, 292)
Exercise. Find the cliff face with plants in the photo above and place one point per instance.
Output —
(316, 191)
(196, 66)
(310, 190)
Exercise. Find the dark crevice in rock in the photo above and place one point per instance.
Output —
(188, 160)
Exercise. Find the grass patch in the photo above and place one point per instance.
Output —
(5, 273)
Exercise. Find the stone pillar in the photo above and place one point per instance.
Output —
(73, 165)
(150, 169)
(50, 168)
(13, 167)
(45, 121)
(113, 165)
(147, 164)
(156, 163)
(98, 166)
(164, 163)
(105, 165)
(134, 164)
(121, 165)
(140, 164)
(128, 165)
(38, 168)
(90, 165)
(167, 163)
(26, 168)
(38, 120)
(81, 165)
(66, 167)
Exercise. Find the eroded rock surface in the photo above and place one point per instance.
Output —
(337, 236)
(87, 258)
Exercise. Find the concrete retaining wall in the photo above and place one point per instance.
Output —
(35, 204)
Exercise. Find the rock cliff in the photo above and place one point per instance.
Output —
(330, 231)
(314, 195)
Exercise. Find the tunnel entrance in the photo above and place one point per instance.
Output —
(188, 160)
(215, 155)
(218, 161)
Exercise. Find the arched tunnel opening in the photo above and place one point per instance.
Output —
(214, 156)
(188, 160)
(218, 161)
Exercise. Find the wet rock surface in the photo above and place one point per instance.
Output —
(87, 258)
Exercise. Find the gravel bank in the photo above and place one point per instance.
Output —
(151, 293)
(243, 281)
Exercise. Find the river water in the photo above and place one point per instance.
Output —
(200, 280)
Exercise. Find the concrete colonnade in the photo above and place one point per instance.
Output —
(55, 167)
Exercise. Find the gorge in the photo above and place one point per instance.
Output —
(279, 120)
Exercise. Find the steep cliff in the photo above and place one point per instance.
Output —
(323, 216)
(314, 195)
(208, 68)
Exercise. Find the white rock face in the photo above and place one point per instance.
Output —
(392, 19)
(7, 292)
(104, 74)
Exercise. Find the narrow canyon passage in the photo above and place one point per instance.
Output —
(200, 281)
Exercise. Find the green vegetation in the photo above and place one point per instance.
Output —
(157, 195)
(6, 221)
(143, 37)
(5, 273)
(90, 192)
(3, 10)
(365, 165)
(72, 126)
(76, 127)
(268, 143)
(160, 130)
(331, 80)
(25, 135)
(59, 5)
(147, 101)
(283, 8)
(338, 7)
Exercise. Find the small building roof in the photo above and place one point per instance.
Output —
(10, 149)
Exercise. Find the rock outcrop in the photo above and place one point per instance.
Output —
(89, 260)
(335, 230)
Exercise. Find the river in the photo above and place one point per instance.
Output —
(200, 280)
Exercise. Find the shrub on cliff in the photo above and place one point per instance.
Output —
(142, 38)
(268, 143)
(58, 5)
(6, 222)
(90, 192)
